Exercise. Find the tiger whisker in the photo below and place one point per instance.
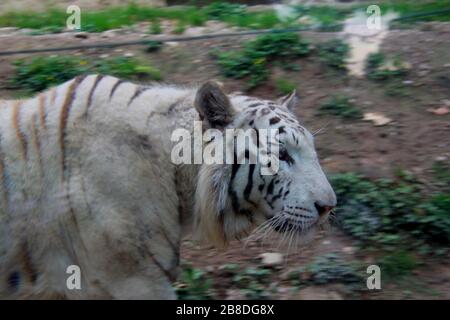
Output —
(321, 129)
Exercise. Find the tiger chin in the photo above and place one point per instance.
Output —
(87, 180)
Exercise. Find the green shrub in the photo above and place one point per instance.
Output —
(284, 86)
(126, 68)
(254, 59)
(334, 53)
(39, 73)
(155, 27)
(379, 68)
(386, 212)
(180, 28)
(330, 268)
(253, 282)
(341, 106)
(441, 173)
(222, 10)
(326, 269)
(193, 285)
(397, 263)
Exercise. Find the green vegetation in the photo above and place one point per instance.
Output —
(224, 10)
(333, 53)
(126, 68)
(379, 68)
(441, 172)
(327, 18)
(408, 8)
(254, 283)
(180, 28)
(398, 263)
(330, 268)
(155, 26)
(193, 285)
(340, 105)
(393, 213)
(284, 86)
(254, 59)
(40, 73)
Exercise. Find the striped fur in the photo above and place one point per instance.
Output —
(86, 179)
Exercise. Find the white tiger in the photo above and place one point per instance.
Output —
(86, 179)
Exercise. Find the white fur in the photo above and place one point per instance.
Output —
(119, 209)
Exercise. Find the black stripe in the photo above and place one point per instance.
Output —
(234, 198)
(91, 93)
(137, 93)
(270, 187)
(249, 186)
(114, 88)
(14, 280)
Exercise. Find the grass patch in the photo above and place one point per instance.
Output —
(334, 53)
(155, 26)
(393, 212)
(327, 18)
(180, 28)
(284, 86)
(39, 73)
(254, 60)
(341, 106)
(379, 68)
(407, 8)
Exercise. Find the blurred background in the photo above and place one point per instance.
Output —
(379, 97)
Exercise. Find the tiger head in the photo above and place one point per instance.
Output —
(233, 199)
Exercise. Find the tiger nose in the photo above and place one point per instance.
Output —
(323, 210)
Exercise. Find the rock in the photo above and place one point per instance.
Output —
(348, 250)
(8, 30)
(194, 31)
(129, 54)
(104, 56)
(109, 34)
(377, 118)
(271, 258)
(305, 20)
(439, 111)
(441, 159)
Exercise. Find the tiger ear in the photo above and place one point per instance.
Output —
(213, 105)
(289, 101)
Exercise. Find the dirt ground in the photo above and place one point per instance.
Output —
(414, 140)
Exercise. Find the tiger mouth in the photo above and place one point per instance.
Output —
(296, 221)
